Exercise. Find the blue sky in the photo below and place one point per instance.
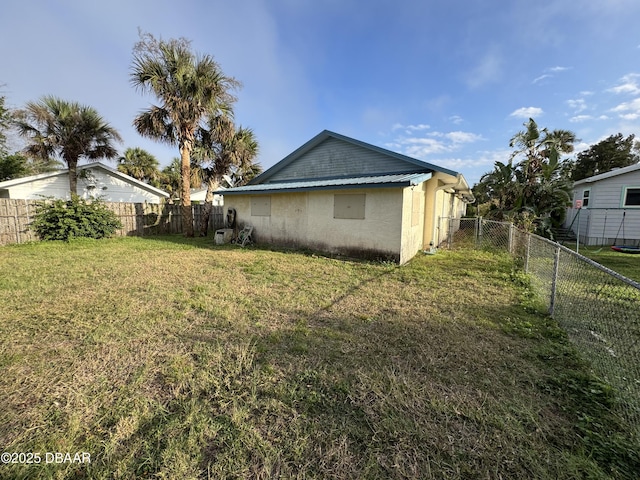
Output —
(445, 82)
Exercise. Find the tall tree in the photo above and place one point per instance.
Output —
(190, 88)
(13, 166)
(68, 130)
(538, 149)
(140, 164)
(533, 188)
(171, 179)
(5, 123)
(222, 148)
(612, 152)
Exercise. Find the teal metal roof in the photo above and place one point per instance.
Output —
(380, 181)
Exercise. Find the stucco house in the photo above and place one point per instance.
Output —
(340, 195)
(94, 180)
(606, 208)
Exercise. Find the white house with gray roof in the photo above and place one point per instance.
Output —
(606, 208)
(343, 196)
(94, 180)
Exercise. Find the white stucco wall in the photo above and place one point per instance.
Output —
(413, 218)
(305, 219)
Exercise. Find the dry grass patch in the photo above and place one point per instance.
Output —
(172, 358)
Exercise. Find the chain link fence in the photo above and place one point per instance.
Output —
(597, 307)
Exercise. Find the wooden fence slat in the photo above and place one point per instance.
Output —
(138, 219)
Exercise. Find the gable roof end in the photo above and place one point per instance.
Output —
(112, 171)
(326, 134)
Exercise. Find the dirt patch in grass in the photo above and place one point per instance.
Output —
(178, 359)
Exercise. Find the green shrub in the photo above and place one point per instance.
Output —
(58, 219)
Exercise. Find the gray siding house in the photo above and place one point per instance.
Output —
(340, 195)
(606, 208)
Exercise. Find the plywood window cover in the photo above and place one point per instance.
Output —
(350, 206)
(261, 206)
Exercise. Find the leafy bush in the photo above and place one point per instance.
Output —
(58, 219)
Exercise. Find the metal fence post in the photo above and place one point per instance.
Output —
(475, 232)
(450, 233)
(526, 254)
(554, 281)
(510, 240)
(480, 232)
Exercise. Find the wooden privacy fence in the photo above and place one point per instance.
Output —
(138, 219)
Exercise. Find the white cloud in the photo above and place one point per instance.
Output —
(423, 147)
(432, 143)
(578, 105)
(541, 77)
(527, 112)
(626, 88)
(456, 119)
(463, 137)
(488, 70)
(580, 118)
(628, 84)
(628, 109)
(630, 116)
(548, 73)
(474, 165)
(410, 128)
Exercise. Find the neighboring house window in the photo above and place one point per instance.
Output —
(260, 206)
(349, 206)
(631, 197)
(585, 197)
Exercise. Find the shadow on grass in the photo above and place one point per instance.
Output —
(423, 393)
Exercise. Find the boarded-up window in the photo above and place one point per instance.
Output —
(415, 208)
(260, 206)
(349, 206)
(632, 197)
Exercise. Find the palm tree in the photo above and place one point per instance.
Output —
(225, 149)
(540, 146)
(534, 190)
(57, 128)
(190, 89)
(140, 164)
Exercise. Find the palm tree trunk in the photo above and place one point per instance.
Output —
(73, 176)
(187, 214)
(212, 185)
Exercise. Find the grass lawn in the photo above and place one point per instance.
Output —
(624, 263)
(173, 358)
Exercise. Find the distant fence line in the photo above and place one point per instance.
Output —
(138, 219)
(597, 307)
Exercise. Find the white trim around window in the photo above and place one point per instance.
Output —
(586, 196)
(630, 196)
